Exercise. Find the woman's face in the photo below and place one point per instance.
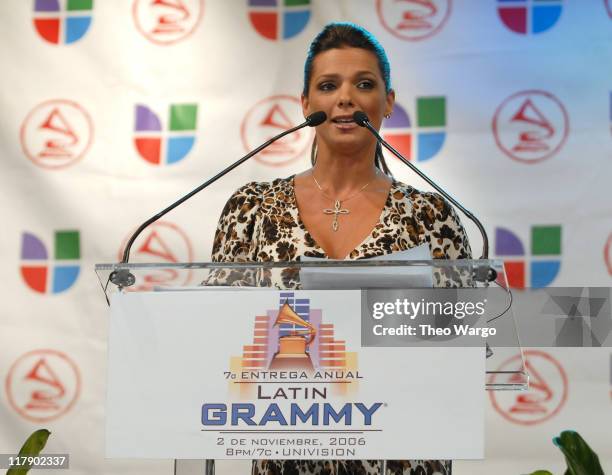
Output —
(345, 80)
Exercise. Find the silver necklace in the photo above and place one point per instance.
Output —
(337, 209)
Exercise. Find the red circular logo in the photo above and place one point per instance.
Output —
(270, 117)
(547, 393)
(530, 126)
(608, 254)
(163, 243)
(42, 385)
(413, 20)
(167, 22)
(56, 134)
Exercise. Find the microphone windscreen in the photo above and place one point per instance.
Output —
(316, 118)
(360, 118)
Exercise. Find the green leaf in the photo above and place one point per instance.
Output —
(32, 447)
(581, 460)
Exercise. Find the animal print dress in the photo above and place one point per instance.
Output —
(261, 222)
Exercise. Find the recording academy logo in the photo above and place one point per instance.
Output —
(166, 22)
(270, 117)
(279, 19)
(162, 242)
(529, 16)
(530, 126)
(56, 134)
(544, 262)
(43, 385)
(160, 145)
(44, 275)
(413, 20)
(422, 140)
(62, 24)
(294, 337)
(608, 254)
(546, 396)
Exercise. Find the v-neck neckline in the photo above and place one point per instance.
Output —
(300, 223)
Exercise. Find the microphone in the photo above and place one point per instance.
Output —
(314, 119)
(123, 277)
(487, 274)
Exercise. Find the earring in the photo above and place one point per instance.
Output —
(388, 116)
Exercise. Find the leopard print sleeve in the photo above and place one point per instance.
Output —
(233, 240)
(447, 240)
(443, 230)
(234, 236)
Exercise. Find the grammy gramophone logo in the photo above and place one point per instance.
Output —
(292, 347)
(293, 336)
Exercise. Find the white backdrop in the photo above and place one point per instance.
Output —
(521, 102)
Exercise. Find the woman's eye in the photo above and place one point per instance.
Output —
(365, 85)
(326, 86)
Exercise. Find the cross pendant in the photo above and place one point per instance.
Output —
(336, 211)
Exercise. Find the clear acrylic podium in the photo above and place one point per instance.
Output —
(503, 350)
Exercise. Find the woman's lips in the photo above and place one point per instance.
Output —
(344, 124)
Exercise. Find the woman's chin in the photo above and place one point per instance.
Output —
(346, 144)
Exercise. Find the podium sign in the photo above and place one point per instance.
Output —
(256, 374)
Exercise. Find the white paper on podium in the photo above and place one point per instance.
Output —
(172, 355)
(371, 277)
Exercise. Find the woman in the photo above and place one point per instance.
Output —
(347, 206)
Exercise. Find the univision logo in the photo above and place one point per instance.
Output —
(150, 142)
(529, 16)
(39, 274)
(59, 25)
(274, 19)
(425, 140)
(544, 262)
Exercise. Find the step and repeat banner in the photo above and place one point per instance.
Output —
(111, 109)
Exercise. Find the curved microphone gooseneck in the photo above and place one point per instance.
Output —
(123, 277)
(361, 119)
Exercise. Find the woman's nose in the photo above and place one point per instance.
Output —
(344, 96)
